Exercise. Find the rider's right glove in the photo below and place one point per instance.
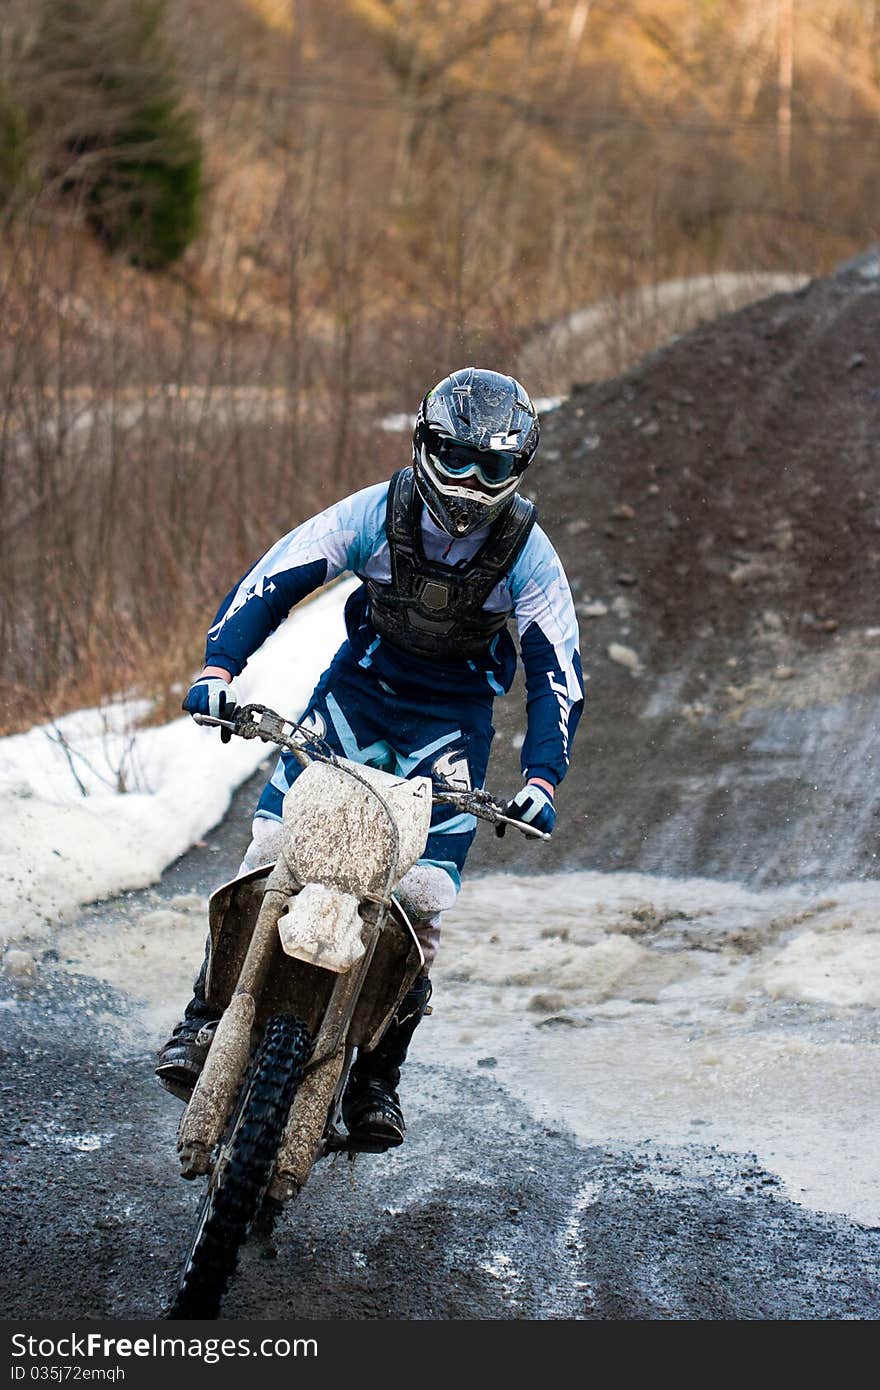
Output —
(533, 806)
(214, 696)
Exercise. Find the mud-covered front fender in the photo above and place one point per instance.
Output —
(305, 988)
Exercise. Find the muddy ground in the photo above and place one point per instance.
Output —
(717, 510)
(484, 1213)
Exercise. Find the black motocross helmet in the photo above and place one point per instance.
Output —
(476, 434)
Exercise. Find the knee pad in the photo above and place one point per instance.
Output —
(265, 845)
(426, 890)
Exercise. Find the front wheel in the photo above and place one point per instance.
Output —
(243, 1168)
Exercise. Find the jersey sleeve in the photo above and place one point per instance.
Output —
(338, 539)
(549, 644)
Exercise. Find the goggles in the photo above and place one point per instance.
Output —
(493, 467)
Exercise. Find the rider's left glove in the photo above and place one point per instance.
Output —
(533, 806)
(214, 696)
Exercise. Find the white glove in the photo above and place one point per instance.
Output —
(533, 806)
(214, 696)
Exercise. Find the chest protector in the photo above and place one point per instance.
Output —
(435, 610)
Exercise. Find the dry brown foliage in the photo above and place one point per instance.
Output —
(396, 187)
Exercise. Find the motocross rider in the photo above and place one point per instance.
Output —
(447, 552)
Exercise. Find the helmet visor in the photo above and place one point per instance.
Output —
(494, 468)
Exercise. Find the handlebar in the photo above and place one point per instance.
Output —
(257, 721)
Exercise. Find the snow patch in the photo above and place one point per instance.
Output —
(70, 834)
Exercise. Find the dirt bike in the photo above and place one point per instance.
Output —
(309, 960)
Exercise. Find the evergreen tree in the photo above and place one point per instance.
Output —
(121, 140)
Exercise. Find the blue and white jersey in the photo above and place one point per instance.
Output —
(350, 535)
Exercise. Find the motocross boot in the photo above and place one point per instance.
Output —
(371, 1106)
(180, 1061)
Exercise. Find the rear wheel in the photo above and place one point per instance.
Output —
(243, 1168)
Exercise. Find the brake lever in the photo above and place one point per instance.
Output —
(257, 721)
(530, 831)
(482, 804)
(209, 720)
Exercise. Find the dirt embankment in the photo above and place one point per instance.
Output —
(718, 512)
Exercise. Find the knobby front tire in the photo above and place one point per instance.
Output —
(243, 1169)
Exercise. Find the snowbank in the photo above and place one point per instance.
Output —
(70, 833)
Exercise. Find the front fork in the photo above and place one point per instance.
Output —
(214, 1095)
(316, 1101)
